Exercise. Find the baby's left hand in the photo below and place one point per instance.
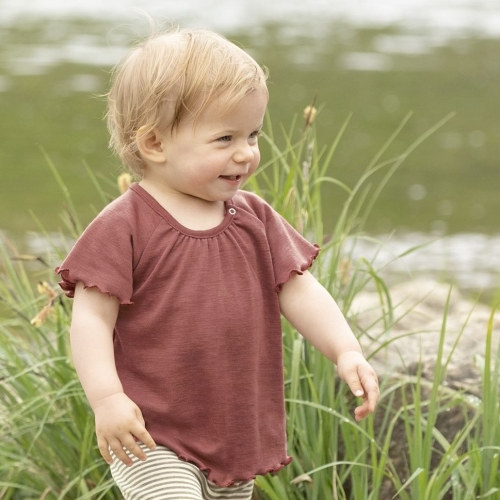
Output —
(361, 378)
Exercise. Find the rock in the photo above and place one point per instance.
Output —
(408, 343)
(412, 335)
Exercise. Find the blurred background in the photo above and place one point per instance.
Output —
(376, 60)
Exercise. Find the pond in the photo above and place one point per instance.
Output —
(376, 61)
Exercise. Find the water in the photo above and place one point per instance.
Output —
(443, 19)
(376, 60)
(470, 260)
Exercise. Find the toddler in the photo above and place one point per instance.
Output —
(179, 283)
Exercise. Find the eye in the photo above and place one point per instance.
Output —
(255, 135)
(224, 138)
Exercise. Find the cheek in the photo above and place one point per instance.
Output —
(200, 174)
(256, 160)
(206, 169)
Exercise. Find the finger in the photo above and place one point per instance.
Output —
(360, 413)
(354, 383)
(131, 445)
(103, 446)
(356, 388)
(143, 435)
(120, 453)
(372, 397)
(363, 410)
(372, 392)
(367, 407)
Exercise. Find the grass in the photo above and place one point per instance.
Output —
(403, 451)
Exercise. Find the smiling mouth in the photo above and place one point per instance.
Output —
(231, 177)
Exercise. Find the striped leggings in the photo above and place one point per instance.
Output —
(163, 476)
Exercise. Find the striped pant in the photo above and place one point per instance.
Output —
(163, 476)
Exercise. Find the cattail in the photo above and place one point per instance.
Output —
(309, 115)
(42, 316)
(124, 182)
(45, 289)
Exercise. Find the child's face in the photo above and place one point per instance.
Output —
(213, 158)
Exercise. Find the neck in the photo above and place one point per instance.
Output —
(191, 212)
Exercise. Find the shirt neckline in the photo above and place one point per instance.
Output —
(229, 215)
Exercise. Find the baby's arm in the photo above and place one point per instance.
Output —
(118, 419)
(313, 312)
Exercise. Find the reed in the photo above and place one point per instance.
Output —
(48, 449)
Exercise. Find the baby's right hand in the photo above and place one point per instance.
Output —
(118, 421)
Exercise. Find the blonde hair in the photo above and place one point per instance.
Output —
(170, 77)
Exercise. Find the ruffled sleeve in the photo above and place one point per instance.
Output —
(102, 257)
(290, 251)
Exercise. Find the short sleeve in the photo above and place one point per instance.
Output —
(102, 258)
(290, 251)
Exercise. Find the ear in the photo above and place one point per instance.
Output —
(152, 145)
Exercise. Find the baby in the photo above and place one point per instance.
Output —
(180, 283)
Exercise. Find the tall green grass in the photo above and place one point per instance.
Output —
(48, 448)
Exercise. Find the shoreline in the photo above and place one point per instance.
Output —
(413, 339)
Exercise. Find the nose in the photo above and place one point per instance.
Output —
(244, 153)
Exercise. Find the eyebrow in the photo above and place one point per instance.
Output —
(228, 131)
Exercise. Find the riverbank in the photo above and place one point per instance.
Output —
(447, 403)
(419, 307)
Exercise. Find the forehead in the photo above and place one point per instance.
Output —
(252, 106)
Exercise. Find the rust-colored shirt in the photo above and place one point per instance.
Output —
(198, 340)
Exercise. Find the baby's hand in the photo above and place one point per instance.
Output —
(361, 378)
(118, 422)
